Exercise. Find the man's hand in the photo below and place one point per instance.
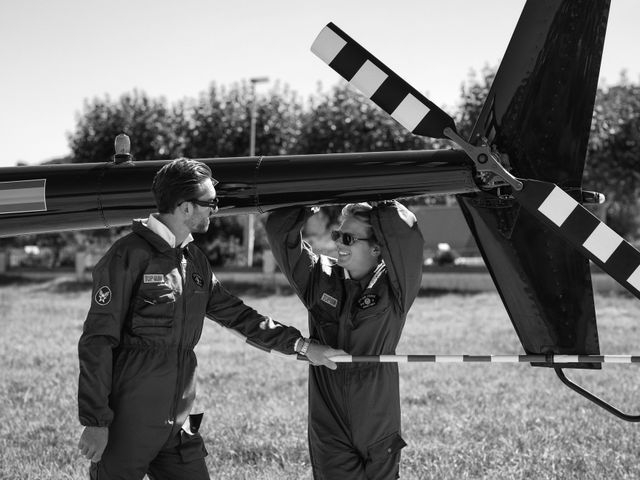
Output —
(319, 355)
(93, 442)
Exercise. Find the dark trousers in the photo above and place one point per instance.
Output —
(181, 458)
(354, 422)
(382, 462)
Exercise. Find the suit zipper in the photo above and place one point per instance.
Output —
(178, 394)
(345, 327)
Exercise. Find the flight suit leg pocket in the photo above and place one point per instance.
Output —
(383, 457)
(191, 443)
(191, 447)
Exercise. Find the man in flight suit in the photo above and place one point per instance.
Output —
(151, 293)
(357, 302)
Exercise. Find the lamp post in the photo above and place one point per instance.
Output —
(249, 227)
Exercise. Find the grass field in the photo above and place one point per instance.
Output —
(468, 421)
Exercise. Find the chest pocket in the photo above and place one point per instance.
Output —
(325, 318)
(154, 309)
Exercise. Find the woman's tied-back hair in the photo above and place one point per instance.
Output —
(178, 181)
(362, 212)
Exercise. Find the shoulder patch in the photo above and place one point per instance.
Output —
(103, 296)
(326, 298)
(197, 278)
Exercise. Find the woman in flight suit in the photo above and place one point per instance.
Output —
(358, 303)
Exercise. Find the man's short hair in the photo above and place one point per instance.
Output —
(177, 181)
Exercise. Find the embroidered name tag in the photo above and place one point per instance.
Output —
(153, 278)
(326, 298)
(368, 300)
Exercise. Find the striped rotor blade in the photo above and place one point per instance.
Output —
(558, 210)
(377, 82)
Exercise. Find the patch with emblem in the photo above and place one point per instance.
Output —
(367, 300)
(326, 298)
(199, 281)
(103, 296)
(153, 278)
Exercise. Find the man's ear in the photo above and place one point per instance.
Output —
(185, 208)
(375, 250)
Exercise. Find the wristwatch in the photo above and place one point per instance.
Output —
(301, 346)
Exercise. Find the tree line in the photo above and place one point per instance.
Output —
(217, 123)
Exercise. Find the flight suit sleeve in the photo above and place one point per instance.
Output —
(396, 229)
(293, 255)
(111, 295)
(259, 330)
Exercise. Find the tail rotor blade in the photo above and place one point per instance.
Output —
(549, 203)
(376, 81)
(558, 210)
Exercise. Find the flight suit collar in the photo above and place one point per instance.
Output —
(371, 279)
(160, 229)
(160, 243)
(377, 273)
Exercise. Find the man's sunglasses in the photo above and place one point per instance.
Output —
(345, 238)
(213, 203)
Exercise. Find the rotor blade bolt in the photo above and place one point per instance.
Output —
(483, 158)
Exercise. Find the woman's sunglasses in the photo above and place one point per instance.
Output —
(345, 238)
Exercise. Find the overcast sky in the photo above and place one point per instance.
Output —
(55, 54)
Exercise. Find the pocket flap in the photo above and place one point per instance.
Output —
(385, 447)
(191, 447)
